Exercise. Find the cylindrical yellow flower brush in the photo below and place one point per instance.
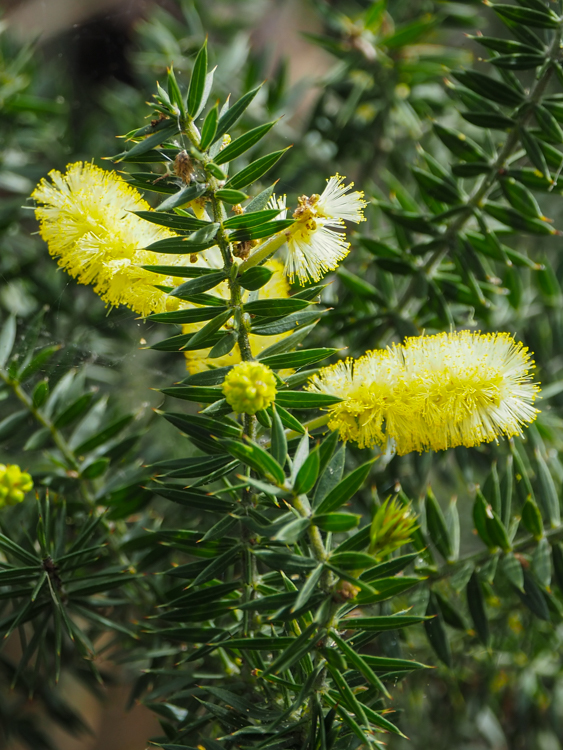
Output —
(433, 392)
(87, 219)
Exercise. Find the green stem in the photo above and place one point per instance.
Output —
(249, 571)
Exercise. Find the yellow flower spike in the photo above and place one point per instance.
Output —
(433, 392)
(249, 387)
(14, 483)
(86, 218)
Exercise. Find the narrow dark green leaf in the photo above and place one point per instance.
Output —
(548, 496)
(279, 441)
(307, 474)
(459, 144)
(345, 489)
(180, 317)
(231, 196)
(10, 425)
(261, 232)
(113, 429)
(359, 662)
(437, 527)
(527, 16)
(476, 604)
(7, 339)
(177, 222)
(504, 46)
(184, 195)
(389, 622)
(533, 598)
(436, 188)
(517, 220)
(254, 171)
(230, 117)
(73, 410)
(209, 129)
(188, 467)
(305, 400)
(255, 278)
(274, 307)
(296, 359)
(192, 498)
(148, 143)
(336, 522)
(331, 476)
(490, 120)
(488, 87)
(217, 567)
(536, 152)
(209, 377)
(257, 458)
(436, 633)
(251, 219)
(198, 285)
(197, 81)
(518, 61)
(450, 612)
(202, 337)
(541, 563)
(242, 144)
(557, 554)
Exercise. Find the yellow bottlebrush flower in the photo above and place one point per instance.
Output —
(314, 248)
(249, 387)
(14, 483)
(433, 392)
(87, 222)
(277, 287)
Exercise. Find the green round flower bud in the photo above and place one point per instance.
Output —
(14, 483)
(249, 387)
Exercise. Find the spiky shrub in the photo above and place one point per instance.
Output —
(270, 638)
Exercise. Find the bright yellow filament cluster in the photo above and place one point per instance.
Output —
(433, 392)
(14, 483)
(249, 387)
(86, 218)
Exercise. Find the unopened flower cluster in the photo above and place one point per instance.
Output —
(249, 387)
(433, 392)
(14, 483)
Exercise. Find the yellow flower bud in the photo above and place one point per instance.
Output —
(14, 483)
(249, 387)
